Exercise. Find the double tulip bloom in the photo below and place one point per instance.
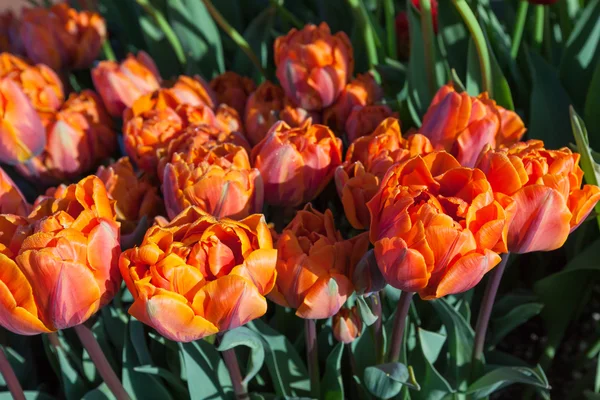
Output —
(12, 200)
(296, 163)
(315, 264)
(363, 120)
(542, 189)
(464, 125)
(233, 90)
(198, 276)
(59, 265)
(436, 226)
(313, 65)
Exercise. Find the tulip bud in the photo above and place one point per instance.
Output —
(191, 278)
(346, 325)
(12, 200)
(262, 110)
(363, 120)
(233, 90)
(194, 91)
(313, 66)
(366, 276)
(296, 163)
(121, 84)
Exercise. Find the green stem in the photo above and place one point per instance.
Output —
(399, 325)
(360, 13)
(519, 28)
(428, 43)
(480, 44)
(234, 35)
(390, 28)
(286, 14)
(538, 26)
(109, 54)
(312, 356)
(166, 28)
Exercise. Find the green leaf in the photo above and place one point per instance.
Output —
(166, 375)
(502, 377)
(592, 105)
(386, 380)
(582, 53)
(199, 37)
(454, 36)
(286, 367)
(207, 375)
(473, 81)
(433, 385)
(393, 76)
(102, 392)
(366, 315)
(73, 384)
(243, 336)
(332, 386)
(460, 340)
(502, 325)
(29, 395)
(549, 105)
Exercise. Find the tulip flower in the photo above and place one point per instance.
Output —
(9, 33)
(198, 276)
(363, 120)
(228, 119)
(435, 226)
(218, 190)
(297, 116)
(262, 110)
(465, 125)
(232, 89)
(77, 139)
(120, 85)
(62, 268)
(346, 325)
(361, 91)
(542, 189)
(313, 66)
(194, 91)
(12, 200)
(21, 130)
(196, 115)
(41, 85)
(157, 100)
(296, 163)
(313, 265)
(135, 197)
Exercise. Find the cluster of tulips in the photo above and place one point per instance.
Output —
(440, 205)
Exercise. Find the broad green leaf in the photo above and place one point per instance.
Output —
(366, 315)
(431, 344)
(29, 395)
(207, 375)
(102, 392)
(386, 380)
(433, 385)
(168, 376)
(473, 81)
(115, 323)
(549, 105)
(592, 105)
(73, 384)
(502, 325)
(199, 37)
(502, 377)
(582, 53)
(393, 76)
(286, 367)
(243, 336)
(454, 36)
(124, 15)
(364, 351)
(332, 386)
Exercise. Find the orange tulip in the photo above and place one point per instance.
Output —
(363, 120)
(297, 116)
(233, 90)
(313, 265)
(77, 139)
(9, 33)
(63, 267)
(194, 91)
(313, 66)
(196, 115)
(346, 325)
(198, 276)
(228, 119)
(542, 188)
(262, 110)
(367, 160)
(39, 83)
(205, 182)
(120, 85)
(21, 131)
(12, 200)
(435, 226)
(465, 125)
(135, 197)
(361, 91)
(157, 100)
(296, 163)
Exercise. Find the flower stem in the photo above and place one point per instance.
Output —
(312, 356)
(485, 311)
(399, 325)
(362, 18)
(390, 28)
(10, 378)
(518, 28)
(480, 44)
(231, 362)
(234, 35)
(428, 44)
(99, 359)
(377, 328)
(538, 27)
(108, 51)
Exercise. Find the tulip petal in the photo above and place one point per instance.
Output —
(403, 268)
(103, 252)
(325, 297)
(259, 268)
(581, 202)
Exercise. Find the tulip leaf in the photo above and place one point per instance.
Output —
(510, 312)
(460, 341)
(502, 377)
(582, 53)
(286, 367)
(332, 386)
(207, 375)
(454, 36)
(243, 336)
(393, 76)
(433, 385)
(29, 395)
(168, 376)
(73, 384)
(102, 392)
(386, 380)
(592, 105)
(366, 315)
